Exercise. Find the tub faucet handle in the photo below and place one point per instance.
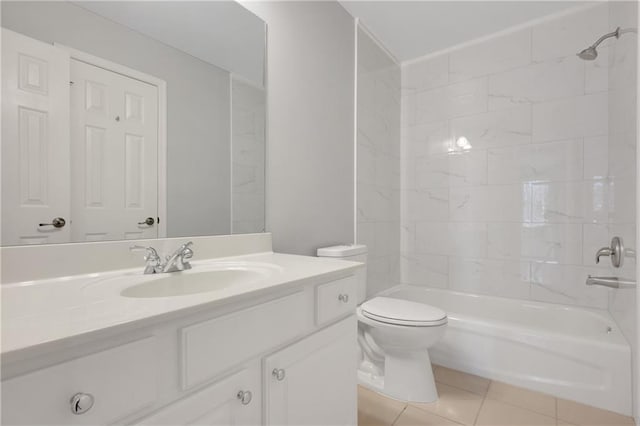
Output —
(616, 252)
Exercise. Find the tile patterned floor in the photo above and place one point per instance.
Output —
(471, 400)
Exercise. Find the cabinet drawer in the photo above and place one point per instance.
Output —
(121, 381)
(234, 400)
(211, 347)
(335, 299)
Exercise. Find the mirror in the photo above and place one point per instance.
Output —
(130, 120)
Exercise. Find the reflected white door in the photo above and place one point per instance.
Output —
(35, 141)
(114, 155)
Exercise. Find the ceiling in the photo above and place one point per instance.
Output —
(222, 33)
(411, 29)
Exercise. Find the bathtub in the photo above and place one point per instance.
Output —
(569, 352)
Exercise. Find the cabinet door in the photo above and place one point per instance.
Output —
(313, 382)
(235, 400)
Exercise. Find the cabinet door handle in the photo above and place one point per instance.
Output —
(81, 403)
(344, 298)
(245, 397)
(278, 374)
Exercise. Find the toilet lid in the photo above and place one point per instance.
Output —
(403, 312)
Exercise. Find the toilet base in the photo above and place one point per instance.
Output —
(407, 377)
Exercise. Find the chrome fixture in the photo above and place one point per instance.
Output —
(616, 251)
(81, 403)
(154, 263)
(178, 261)
(344, 298)
(278, 374)
(591, 52)
(245, 397)
(611, 282)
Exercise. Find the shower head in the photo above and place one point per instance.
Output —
(590, 53)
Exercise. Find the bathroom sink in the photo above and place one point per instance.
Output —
(196, 281)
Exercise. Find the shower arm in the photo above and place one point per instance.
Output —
(615, 34)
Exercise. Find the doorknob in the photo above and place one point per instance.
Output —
(148, 221)
(57, 222)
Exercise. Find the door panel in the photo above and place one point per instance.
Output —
(114, 155)
(35, 141)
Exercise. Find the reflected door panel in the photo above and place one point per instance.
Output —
(35, 141)
(114, 155)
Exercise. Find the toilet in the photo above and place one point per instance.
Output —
(394, 336)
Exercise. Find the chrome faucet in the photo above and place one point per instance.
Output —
(154, 263)
(178, 261)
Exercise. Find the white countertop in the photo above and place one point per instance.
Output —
(37, 314)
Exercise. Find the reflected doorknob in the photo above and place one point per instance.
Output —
(57, 222)
(148, 221)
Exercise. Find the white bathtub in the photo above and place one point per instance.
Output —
(569, 352)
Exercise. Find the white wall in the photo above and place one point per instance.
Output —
(522, 213)
(310, 103)
(378, 163)
(198, 106)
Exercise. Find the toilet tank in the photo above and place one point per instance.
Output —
(354, 253)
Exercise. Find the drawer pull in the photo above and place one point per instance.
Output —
(81, 403)
(344, 298)
(245, 397)
(278, 374)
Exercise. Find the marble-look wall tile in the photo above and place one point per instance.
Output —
(560, 243)
(504, 127)
(572, 117)
(455, 100)
(503, 203)
(425, 270)
(424, 75)
(492, 277)
(557, 283)
(518, 162)
(556, 161)
(458, 169)
(491, 56)
(378, 200)
(555, 79)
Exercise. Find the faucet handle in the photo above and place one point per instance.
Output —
(151, 253)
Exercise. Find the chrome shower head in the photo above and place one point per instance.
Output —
(590, 53)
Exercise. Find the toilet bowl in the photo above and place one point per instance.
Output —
(394, 336)
(402, 332)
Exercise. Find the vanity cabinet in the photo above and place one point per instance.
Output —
(234, 400)
(302, 380)
(282, 358)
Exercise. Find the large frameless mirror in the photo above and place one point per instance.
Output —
(130, 120)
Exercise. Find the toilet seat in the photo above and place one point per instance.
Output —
(403, 312)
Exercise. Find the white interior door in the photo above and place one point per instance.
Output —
(35, 141)
(114, 155)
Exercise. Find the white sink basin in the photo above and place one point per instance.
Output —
(196, 281)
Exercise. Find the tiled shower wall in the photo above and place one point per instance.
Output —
(248, 157)
(378, 163)
(506, 188)
(622, 156)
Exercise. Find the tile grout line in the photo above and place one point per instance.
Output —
(475, 421)
(399, 414)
